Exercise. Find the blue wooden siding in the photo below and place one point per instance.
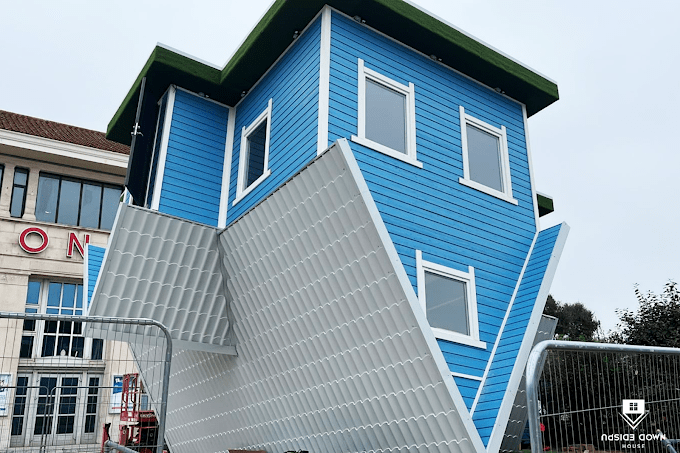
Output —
(192, 178)
(468, 389)
(428, 209)
(496, 383)
(95, 256)
(293, 85)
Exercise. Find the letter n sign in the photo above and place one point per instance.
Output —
(74, 242)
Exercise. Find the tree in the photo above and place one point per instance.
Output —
(656, 321)
(576, 322)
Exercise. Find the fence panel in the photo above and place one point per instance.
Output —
(603, 397)
(69, 383)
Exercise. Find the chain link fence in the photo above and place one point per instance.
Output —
(72, 383)
(603, 397)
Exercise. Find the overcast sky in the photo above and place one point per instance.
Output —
(606, 151)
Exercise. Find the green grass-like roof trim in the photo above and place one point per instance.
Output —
(272, 35)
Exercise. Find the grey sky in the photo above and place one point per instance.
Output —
(606, 151)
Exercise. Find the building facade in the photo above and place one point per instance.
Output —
(60, 188)
(341, 230)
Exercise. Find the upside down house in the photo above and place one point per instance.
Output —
(341, 230)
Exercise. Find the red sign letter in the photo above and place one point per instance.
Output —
(40, 232)
(73, 240)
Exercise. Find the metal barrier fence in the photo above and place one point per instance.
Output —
(603, 397)
(73, 383)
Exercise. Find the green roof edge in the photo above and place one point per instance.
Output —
(396, 18)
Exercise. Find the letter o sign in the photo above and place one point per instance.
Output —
(34, 230)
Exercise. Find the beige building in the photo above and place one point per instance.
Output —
(60, 189)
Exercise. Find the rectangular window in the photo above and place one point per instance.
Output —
(57, 337)
(449, 299)
(386, 115)
(486, 165)
(72, 201)
(19, 410)
(91, 407)
(254, 154)
(19, 189)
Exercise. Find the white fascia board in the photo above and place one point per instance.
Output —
(163, 151)
(59, 148)
(226, 169)
(498, 431)
(191, 57)
(324, 80)
(416, 308)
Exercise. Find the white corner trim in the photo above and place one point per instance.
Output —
(502, 327)
(241, 190)
(324, 80)
(466, 277)
(466, 376)
(409, 92)
(165, 138)
(226, 169)
(416, 308)
(527, 342)
(501, 134)
(59, 148)
(534, 194)
(86, 271)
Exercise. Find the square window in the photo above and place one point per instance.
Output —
(386, 115)
(448, 297)
(486, 165)
(254, 154)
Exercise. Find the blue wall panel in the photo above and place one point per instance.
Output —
(293, 85)
(468, 389)
(95, 256)
(192, 178)
(428, 209)
(504, 360)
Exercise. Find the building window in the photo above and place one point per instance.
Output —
(2, 173)
(18, 202)
(253, 165)
(91, 408)
(449, 299)
(76, 202)
(486, 165)
(19, 411)
(386, 115)
(56, 338)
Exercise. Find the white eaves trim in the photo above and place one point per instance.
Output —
(59, 148)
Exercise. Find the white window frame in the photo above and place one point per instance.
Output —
(466, 277)
(241, 190)
(501, 134)
(408, 91)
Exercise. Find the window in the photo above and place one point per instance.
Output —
(19, 406)
(56, 338)
(486, 165)
(448, 297)
(76, 202)
(386, 115)
(56, 404)
(253, 165)
(18, 203)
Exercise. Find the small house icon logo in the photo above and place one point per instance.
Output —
(633, 412)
